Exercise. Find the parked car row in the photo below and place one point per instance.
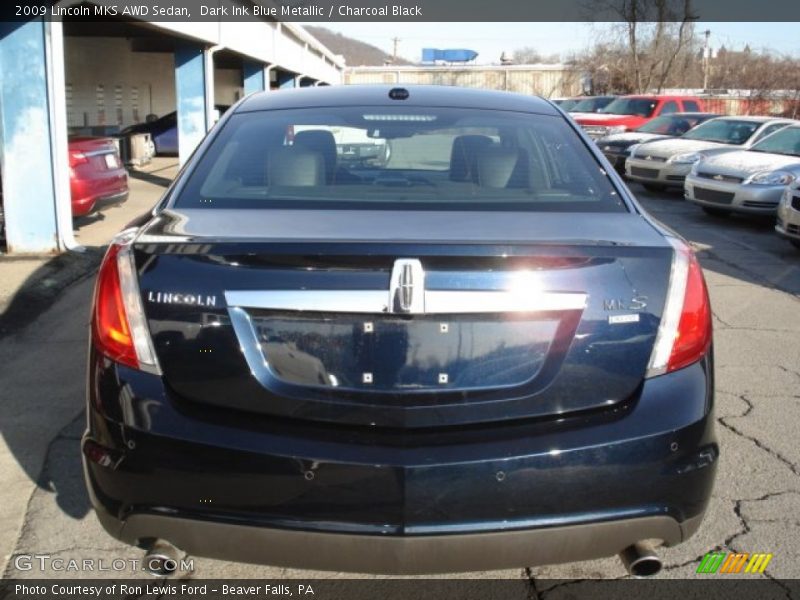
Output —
(724, 164)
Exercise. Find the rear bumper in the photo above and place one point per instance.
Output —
(92, 194)
(248, 488)
(398, 555)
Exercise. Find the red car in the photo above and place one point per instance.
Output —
(97, 177)
(627, 113)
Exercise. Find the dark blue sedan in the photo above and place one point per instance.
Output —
(164, 131)
(470, 349)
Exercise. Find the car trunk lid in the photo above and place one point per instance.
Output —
(446, 324)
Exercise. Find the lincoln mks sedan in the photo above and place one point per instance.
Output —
(468, 350)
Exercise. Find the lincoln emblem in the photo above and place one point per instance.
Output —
(407, 287)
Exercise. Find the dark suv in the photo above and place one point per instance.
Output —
(469, 349)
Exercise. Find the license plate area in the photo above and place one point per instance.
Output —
(111, 161)
(404, 354)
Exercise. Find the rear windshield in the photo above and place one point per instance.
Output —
(640, 107)
(725, 131)
(395, 158)
(784, 141)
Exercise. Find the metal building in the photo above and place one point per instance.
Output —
(542, 80)
(58, 75)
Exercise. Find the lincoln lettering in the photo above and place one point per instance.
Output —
(187, 299)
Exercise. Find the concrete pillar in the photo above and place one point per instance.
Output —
(192, 77)
(33, 138)
(268, 71)
(254, 77)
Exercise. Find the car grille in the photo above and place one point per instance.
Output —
(639, 172)
(756, 204)
(713, 195)
(658, 159)
(796, 202)
(719, 177)
(795, 229)
(676, 178)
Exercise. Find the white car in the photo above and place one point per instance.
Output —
(748, 181)
(788, 224)
(664, 163)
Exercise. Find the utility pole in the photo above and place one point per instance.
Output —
(706, 59)
(395, 41)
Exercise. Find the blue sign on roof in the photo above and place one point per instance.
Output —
(454, 55)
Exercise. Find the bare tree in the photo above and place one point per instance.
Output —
(529, 55)
(653, 36)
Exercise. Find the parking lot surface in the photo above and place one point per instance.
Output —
(754, 282)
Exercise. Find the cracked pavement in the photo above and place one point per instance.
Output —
(754, 282)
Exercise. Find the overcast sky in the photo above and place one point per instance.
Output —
(491, 39)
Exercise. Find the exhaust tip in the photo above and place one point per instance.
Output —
(161, 559)
(641, 560)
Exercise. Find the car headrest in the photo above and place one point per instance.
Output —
(295, 167)
(463, 155)
(496, 165)
(322, 141)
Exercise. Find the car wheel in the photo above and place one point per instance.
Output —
(654, 187)
(716, 212)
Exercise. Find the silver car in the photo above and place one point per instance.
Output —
(617, 146)
(664, 163)
(788, 224)
(748, 181)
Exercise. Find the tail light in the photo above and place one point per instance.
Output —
(119, 328)
(684, 335)
(77, 158)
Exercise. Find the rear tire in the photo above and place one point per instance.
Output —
(654, 187)
(716, 212)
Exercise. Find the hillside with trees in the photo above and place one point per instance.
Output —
(356, 53)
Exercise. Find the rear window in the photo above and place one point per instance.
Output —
(690, 105)
(395, 158)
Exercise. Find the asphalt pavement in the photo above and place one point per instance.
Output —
(754, 282)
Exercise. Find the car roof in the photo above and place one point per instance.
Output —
(659, 96)
(753, 119)
(691, 114)
(378, 95)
